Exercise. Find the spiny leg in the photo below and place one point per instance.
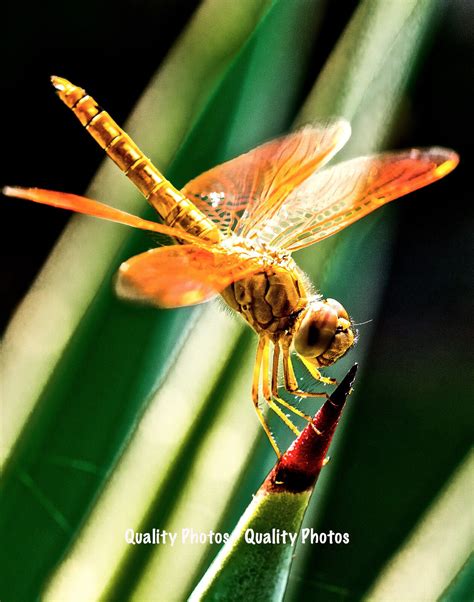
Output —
(276, 359)
(290, 381)
(267, 393)
(262, 343)
(315, 373)
(291, 384)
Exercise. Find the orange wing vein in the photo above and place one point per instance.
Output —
(81, 204)
(244, 192)
(176, 276)
(334, 198)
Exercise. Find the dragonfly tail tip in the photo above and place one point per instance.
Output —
(61, 84)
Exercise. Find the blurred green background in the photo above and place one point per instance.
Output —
(410, 423)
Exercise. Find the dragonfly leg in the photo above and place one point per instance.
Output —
(291, 383)
(267, 393)
(262, 343)
(315, 373)
(285, 404)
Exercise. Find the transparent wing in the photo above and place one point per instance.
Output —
(245, 191)
(81, 204)
(338, 196)
(181, 275)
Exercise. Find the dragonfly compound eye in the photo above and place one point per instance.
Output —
(325, 333)
(316, 330)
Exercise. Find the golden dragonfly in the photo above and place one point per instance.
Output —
(237, 225)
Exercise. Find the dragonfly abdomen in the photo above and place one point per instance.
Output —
(173, 207)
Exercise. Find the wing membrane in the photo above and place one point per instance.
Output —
(176, 276)
(241, 193)
(334, 198)
(81, 204)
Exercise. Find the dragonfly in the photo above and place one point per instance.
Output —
(236, 227)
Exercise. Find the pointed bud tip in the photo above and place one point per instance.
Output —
(339, 395)
(352, 373)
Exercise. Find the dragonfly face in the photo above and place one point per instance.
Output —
(237, 225)
(324, 334)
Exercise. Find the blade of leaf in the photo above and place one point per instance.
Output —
(436, 549)
(216, 465)
(152, 462)
(462, 585)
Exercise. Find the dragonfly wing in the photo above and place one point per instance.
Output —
(81, 204)
(243, 192)
(182, 275)
(338, 196)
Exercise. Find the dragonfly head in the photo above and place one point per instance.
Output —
(325, 332)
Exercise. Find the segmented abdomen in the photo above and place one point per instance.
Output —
(173, 207)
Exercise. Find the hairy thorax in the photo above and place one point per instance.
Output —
(270, 300)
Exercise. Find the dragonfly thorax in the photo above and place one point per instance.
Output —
(270, 300)
(255, 248)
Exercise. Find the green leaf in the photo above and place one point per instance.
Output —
(462, 586)
(437, 551)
